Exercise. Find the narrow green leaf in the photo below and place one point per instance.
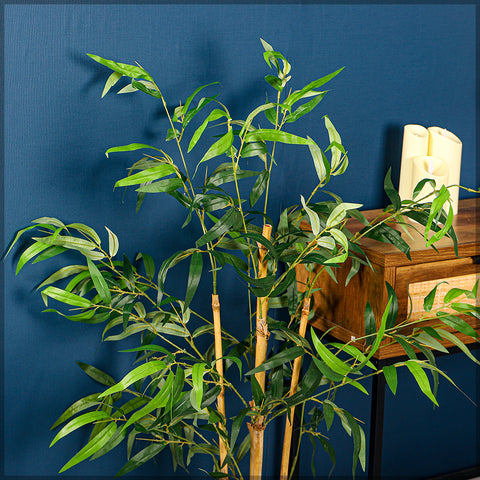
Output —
(148, 263)
(148, 175)
(390, 373)
(320, 162)
(162, 186)
(30, 253)
(457, 342)
(328, 357)
(111, 81)
(297, 95)
(123, 68)
(391, 191)
(334, 137)
(252, 115)
(457, 323)
(268, 135)
(278, 359)
(305, 108)
(96, 374)
(78, 422)
(64, 297)
(340, 212)
(230, 220)
(259, 187)
(141, 457)
(312, 216)
(76, 407)
(99, 282)
(92, 446)
(113, 243)
(421, 379)
(328, 412)
(214, 115)
(370, 325)
(197, 380)
(62, 273)
(130, 148)
(160, 400)
(221, 146)
(138, 373)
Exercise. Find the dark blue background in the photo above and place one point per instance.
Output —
(404, 64)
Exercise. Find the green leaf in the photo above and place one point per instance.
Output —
(96, 374)
(30, 253)
(259, 187)
(334, 138)
(457, 323)
(162, 186)
(62, 273)
(391, 191)
(340, 212)
(457, 342)
(390, 373)
(430, 298)
(189, 100)
(252, 115)
(421, 378)
(257, 392)
(78, 422)
(214, 115)
(298, 95)
(130, 148)
(197, 380)
(312, 216)
(393, 310)
(231, 220)
(65, 297)
(148, 263)
(92, 446)
(99, 282)
(76, 407)
(160, 400)
(141, 457)
(426, 339)
(221, 146)
(148, 175)
(328, 412)
(111, 81)
(306, 107)
(113, 243)
(328, 357)
(320, 162)
(268, 135)
(138, 373)
(253, 149)
(278, 359)
(123, 68)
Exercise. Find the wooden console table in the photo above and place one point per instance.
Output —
(343, 307)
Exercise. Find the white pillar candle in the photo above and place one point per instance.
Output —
(429, 167)
(446, 145)
(415, 144)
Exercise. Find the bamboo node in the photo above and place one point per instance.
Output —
(262, 329)
(256, 426)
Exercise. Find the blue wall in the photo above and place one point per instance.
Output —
(404, 64)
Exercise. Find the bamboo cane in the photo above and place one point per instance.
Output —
(217, 327)
(262, 333)
(287, 439)
(257, 429)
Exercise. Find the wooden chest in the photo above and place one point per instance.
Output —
(343, 307)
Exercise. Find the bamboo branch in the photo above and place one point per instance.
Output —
(257, 429)
(287, 439)
(217, 327)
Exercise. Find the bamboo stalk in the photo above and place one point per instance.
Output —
(217, 327)
(287, 439)
(262, 333)
(257, 429)
(256, 445)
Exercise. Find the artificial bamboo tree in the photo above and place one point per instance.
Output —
(175, 396)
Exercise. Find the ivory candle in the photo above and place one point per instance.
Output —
(430, 167)
(415, 144)
(446, 145)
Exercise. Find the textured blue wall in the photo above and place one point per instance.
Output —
(404, 64)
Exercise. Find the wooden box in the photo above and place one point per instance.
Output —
(343, 307)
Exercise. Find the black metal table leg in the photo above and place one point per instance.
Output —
(376, 425)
